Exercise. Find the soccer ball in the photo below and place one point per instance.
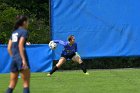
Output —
(52, 45)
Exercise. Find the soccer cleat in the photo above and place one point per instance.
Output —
(49, 75)
(86, 73)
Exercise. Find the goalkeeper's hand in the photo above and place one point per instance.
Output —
(77, 54)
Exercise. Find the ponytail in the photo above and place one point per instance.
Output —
(19, 22)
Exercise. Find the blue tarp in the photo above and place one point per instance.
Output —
(40, 58)
(102, 28)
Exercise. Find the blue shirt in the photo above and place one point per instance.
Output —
(68, 49)
(16, 35)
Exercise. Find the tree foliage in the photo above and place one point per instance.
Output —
(36, 10)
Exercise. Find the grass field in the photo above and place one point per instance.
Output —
(99, 81)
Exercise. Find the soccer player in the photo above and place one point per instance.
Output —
(16, 49)
(69, 52)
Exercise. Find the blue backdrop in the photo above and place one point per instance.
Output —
(40, 58)
(101, 27)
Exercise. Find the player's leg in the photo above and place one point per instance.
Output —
(13, 81)
(58, 65)
(78, 59)
(25, 74)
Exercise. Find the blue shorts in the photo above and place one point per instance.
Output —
(16, 65)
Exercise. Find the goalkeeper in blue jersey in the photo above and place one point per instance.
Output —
(69, 52)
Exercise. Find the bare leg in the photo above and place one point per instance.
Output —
(25, 74)
(60, 62)
(77, 58)
(13, 81)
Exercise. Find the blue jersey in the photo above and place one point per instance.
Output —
(68, 49)
(16, 35)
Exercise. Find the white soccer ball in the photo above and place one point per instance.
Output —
(52, 45)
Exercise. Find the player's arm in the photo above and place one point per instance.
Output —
(21, 48)
(9, 47)
(28, 43)
(60, 42)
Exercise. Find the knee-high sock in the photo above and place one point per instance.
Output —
(82, 65)
(54, 69)
(9, 90)
(26, 90)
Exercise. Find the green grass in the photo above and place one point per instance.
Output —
(99, 81)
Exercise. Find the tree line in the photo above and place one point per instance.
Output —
(36, 10)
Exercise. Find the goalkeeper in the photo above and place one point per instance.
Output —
(69, 52)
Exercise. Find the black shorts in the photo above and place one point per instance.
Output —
(68, 56)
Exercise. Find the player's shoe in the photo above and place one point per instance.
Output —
(86, 73)
(49, 75)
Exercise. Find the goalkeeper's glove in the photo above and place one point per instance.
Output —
(77, 54)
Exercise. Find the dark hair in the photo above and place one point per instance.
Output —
(19, 22)
(70, 37)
